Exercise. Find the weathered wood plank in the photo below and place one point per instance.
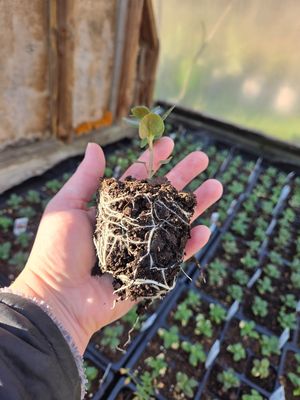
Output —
(20, 163)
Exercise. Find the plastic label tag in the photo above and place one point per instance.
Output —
(20, 226)
(149, 322)
(213, 352)
(232, 310)
(254, 278)
(284, 337)
(278, 394)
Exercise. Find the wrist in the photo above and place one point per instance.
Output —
(30, 285)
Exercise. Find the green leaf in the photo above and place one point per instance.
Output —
(143, 142)
(140, 111)
(151, 126)
(162, 162)
(168, 112)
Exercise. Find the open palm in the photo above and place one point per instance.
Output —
(59, 267)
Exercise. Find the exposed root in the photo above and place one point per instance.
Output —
(118, 231)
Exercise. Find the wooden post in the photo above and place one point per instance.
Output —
(130, 54)
(65, 68)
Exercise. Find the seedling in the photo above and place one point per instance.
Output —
(289, 300)
(14, 201)
(264, 285)
(235, 292)
(272, 271)
(19, 259)
(247, 329)
(183, 314)
(237, 350)
(269, 345)
(286, 319)
(295, 381)
(143, 220)
(241, 277)
(249, 261)
(228, 379)
(185, 384)
(33, 197)
(170, 337)
(91, 374)
(23, 240)
(196, 353)
(5, 223)
(254, 395)
(295, 279)
(54, 185)
(192, 299)
(27, 212)
(259, 307)
(203, 326)
(216, 273)
(217, 313)
(112, 336)
(5, 250)
(260, 368)
(157, 364)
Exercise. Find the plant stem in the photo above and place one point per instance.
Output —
(151, 157)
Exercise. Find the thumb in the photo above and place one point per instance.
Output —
(84, 182)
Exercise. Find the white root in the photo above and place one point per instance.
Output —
(116, 231)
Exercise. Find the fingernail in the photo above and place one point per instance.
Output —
(88, 147)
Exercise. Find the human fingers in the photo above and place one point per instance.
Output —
(187, 169)
(79, 189)
(162, 149)
(207, 194)
(200, 235)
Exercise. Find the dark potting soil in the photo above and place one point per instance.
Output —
(125, 394)
(141, 231)
(95, 384)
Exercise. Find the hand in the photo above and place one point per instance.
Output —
(58, 270)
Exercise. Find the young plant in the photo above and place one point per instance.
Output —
(286, 319)
(54, 185)
(241, 277)
(247, 329)
(254, 395)
(295, 279)
(272, 271)
(157, 364)
(27, 212)
(5, 250)
(259, 307)
(248, 261)
(196, 353)
(5, 223)
(14, 201)
(192, 299)
(185, 385)
(216, 273)
(237, 350)
(170, 337)
(112, 336)
(289, 300)
(264, 285)
(260, 368)
(144, 387)
(33, 197)
(217, 313)
(183, 314)
(228, 379)
(151, 127)
(295, 381)
(235, 292)
(91, 374)
(203, 326)
(19, 259)
(23, 240)
(269, 345)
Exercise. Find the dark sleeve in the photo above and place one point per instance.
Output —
(35, 360)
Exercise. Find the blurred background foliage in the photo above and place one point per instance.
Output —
(235, 60)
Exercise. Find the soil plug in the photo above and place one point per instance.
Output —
(142, 226)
